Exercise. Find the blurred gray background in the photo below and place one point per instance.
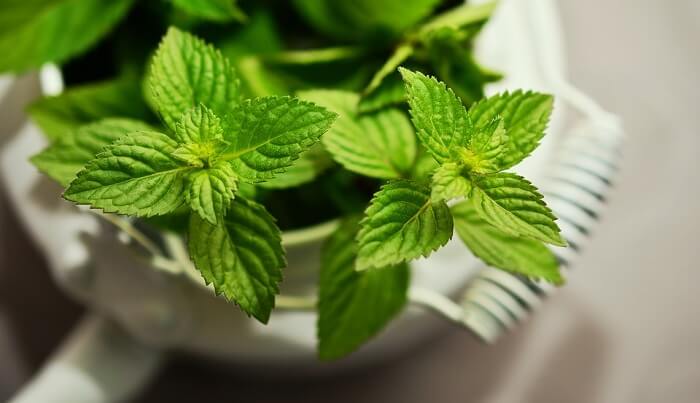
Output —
(625, 329)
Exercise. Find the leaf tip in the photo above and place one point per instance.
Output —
(362, 264)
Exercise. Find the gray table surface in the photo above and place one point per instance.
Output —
(625, 329)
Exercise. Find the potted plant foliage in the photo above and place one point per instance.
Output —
(361, 125)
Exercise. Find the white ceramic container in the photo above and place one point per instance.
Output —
(161, 310)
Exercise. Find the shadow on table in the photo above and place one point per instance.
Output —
(451, 368)
(34, 314)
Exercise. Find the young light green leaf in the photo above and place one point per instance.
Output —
(485, 148)
(199, 125)
(525, 116)
(186, 72)
(210, 190)
(59, 115)
(137, 175)
(437, 113)
(33, 32)
(309, 165)
(65, 158)
(199, 155)
(354, 306)
(449, 182)
(512, 204)
(266, 135)
(401, 224)
(241, 256)
(201, 135)
(501, 250)
(212, 10)
(380, 145)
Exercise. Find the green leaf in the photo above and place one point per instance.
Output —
(33, 32)
(485, 148)
(498, 249)
(309, 165)
(201, 135)
(186, 72)
(437, 113)
(245, 46)
(212, 10)
(512, 204)
(321, 15)
(266, 135)
(424, 166)
(364, 19)
(241, 256)
(137, 175)
(449, 182)
(467, 77)
(380, 145)
(390, 92)
(66, 157)
(57, 116)
(354, 306)
(210, 190)
(258, 36)
(459, 17)
(259, 80)
(451, 57)
(401, 224)
(401, 53)
(525, 116)
(200, 126)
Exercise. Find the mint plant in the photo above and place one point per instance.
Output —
(372, 113)
(407, 219)
(199, 163)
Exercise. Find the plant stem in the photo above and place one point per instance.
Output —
(133, 232)
(311, 56)
(295, 303)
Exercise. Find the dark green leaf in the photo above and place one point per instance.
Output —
(59, 115)
(33, 32)
(354, 306)
(212, 10)
(241, 256)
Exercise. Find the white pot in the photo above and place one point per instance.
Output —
(177, 312)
